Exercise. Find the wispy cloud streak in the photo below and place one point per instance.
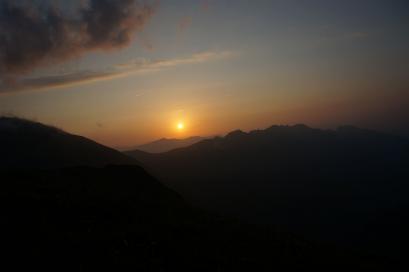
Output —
(135, 67)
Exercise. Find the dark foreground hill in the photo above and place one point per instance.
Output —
(26, 144)
(118, 218)
(348, 186)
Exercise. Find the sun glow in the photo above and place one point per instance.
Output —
(180, 126)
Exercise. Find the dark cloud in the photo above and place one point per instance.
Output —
(58, 81)
(31, 36)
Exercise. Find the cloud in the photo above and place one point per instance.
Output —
(196, 58)
(32, 37)
(137, 66)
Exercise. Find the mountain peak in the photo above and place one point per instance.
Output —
(235, 134)
(166, 144)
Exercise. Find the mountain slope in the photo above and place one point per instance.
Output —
(340, 186)
(27, 144)
(165, 145)
(120, 218)
(83, 218)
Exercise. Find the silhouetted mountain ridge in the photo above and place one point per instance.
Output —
(299, 134)
(28, 144)
(334, 185)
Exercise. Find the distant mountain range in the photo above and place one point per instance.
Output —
(346, 186)
(164, 145)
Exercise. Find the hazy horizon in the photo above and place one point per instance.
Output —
(223, 134)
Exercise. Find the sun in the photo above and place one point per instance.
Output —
(180, 126)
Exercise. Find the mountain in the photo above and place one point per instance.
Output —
(28, 144)
(83, 217)
(347, 186)
(119, 218)
(164, 145)
(98, 217)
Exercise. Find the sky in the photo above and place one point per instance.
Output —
(127, 72)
